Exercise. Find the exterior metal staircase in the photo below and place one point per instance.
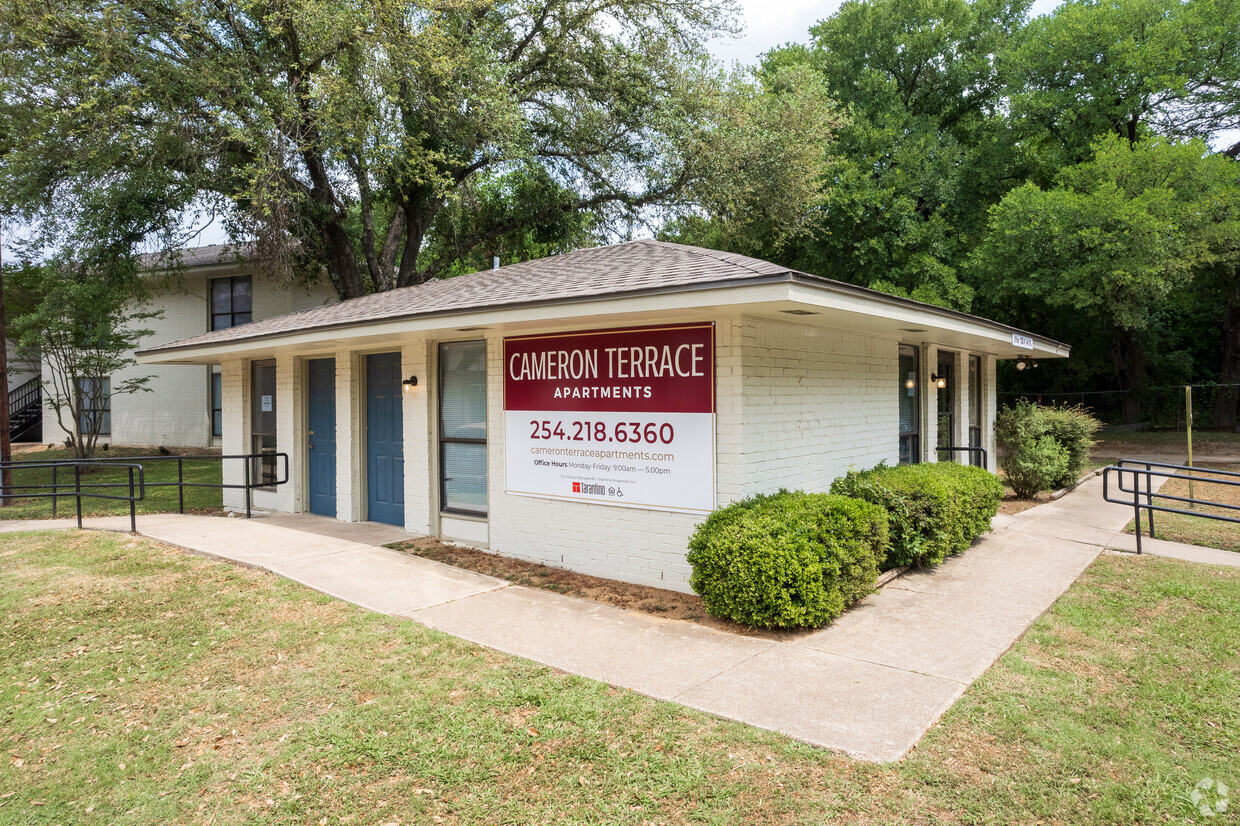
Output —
(26, 411)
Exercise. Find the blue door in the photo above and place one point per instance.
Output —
(385, 447)
(321, 424)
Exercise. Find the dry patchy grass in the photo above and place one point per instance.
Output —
(140, 685)
(1196, 530)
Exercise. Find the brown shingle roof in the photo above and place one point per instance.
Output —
(635, 266)
(632, 268)
(211, 255)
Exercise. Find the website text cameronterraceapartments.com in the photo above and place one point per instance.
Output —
(591, 453)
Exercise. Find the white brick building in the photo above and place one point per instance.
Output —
(179, 410)
(808, 378)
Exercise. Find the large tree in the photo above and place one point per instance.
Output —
(923, 153)
(1115, 239)
(1129, 68)
(383, 142)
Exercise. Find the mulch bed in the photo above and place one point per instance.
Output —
(657, 601)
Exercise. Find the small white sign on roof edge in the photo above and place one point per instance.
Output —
(1022, 341)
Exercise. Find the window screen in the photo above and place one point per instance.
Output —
(946, 408)
(975, 407)
(463, 427)
(217, 405)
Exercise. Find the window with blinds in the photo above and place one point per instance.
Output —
(910, 389)
(263, 420)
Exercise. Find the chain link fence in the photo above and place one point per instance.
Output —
(1214, 405)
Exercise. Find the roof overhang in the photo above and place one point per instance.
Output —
(788, 297)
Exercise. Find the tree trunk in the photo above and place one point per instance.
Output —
(1229, 373)
(6, 450)
(341, 262)
(1128, 359)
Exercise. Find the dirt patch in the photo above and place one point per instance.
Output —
(659, 602)
(1011, 504)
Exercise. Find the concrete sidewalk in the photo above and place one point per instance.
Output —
(870, 684)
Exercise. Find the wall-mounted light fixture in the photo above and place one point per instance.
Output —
(410, 383)
(938, 381)
(1025, 361)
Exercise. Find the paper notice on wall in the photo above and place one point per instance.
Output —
(617, 417)
(267, 404)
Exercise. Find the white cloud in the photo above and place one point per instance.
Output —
(768, 25)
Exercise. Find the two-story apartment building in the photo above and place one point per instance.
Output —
(217, 288)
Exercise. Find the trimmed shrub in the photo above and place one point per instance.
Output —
(1043, 448)
(933, 509)
(1035, 465)
(788, 560)
(1073, 429)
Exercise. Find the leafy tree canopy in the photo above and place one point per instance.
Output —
(905, 196)
(1126, 67)
(384, 142)
(1114, 240)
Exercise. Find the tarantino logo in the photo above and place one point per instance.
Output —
(588, 489)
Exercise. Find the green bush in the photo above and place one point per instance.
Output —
(1042, 448)
(933, 509)
(1073, 429)
(788, 560)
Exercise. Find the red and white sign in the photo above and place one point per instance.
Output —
(619, 417)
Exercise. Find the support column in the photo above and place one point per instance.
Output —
(348, 437)
(930, 407)
(290, 436)
(990, 410)
(416, 408)
(960, 404)
(235, 415)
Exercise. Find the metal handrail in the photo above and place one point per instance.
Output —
(81, 491)
(137, 494)
(1163, 470)
(981, 451)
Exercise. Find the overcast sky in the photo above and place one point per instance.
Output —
(768, 25)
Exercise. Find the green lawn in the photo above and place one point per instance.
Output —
(114, 482)
(141, 684)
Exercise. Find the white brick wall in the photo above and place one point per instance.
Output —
(418, 438)
(796, 407)
(235, 380)
(349, 491)
(176, 411)
(816, 402)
